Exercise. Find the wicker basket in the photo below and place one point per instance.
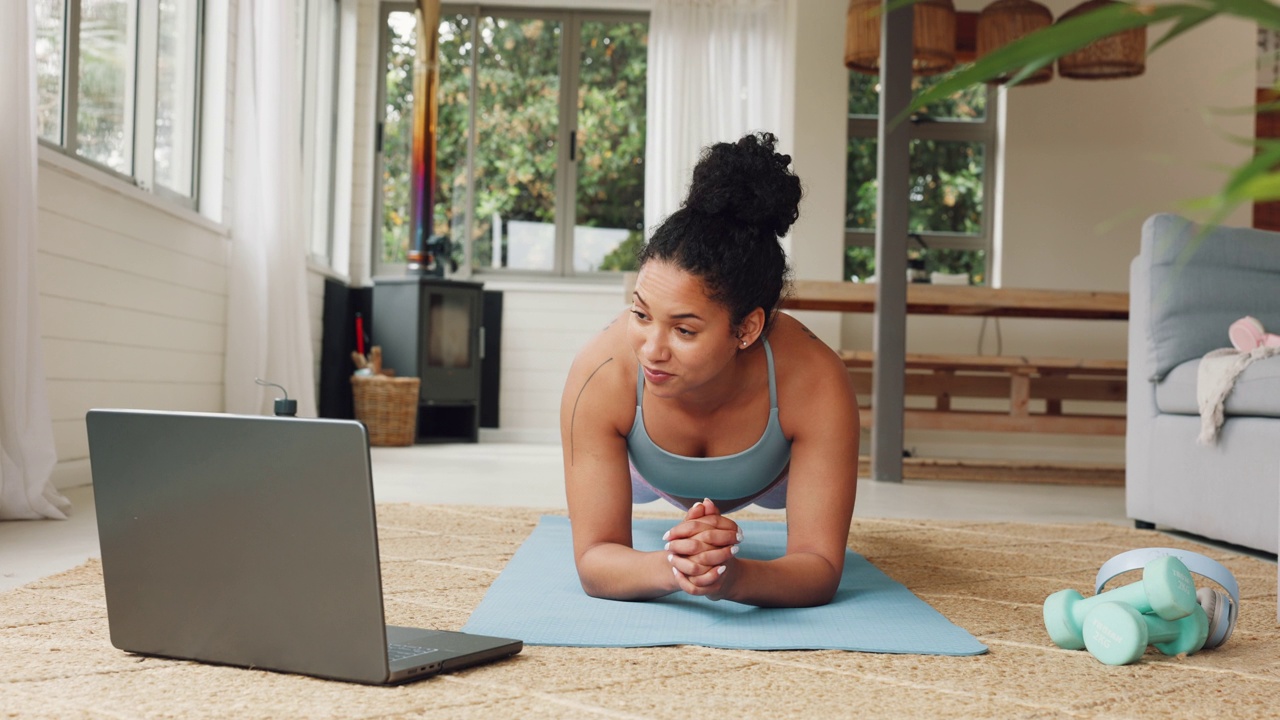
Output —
(388, 406)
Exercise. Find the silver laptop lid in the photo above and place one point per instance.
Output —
(242, 540)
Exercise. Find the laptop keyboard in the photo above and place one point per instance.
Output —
(398, 651)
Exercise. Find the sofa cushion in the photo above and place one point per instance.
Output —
(1200, 285)
(1256, 392)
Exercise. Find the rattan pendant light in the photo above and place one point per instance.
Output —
(1116, 56)
(1004, 21)
(933, 36)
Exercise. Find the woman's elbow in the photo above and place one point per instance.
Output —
(824, 594)
(824, 591)
(594, 589)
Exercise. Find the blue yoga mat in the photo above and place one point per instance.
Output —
(538, 599)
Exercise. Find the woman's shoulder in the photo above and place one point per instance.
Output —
(798, 347)
(808, 371)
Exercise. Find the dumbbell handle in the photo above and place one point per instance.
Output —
(1175, 637)
(1178, 598)
(1116, 634)
(1134, 595)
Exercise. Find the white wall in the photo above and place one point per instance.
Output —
(815, 245)
(543, 327)
(132, 303)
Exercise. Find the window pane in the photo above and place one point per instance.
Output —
(320, 52)
(50, 20)
(516, 123)
(946, 187)
(105, 100)
(452, 129)
(860, 262)
(397, 136)
(968, 105)
(609, 226)
(860, 185)
(104, 116)
(945, 192)
(176, 95)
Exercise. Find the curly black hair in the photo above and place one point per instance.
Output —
(742, 199)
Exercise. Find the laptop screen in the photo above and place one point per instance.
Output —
(243, 540)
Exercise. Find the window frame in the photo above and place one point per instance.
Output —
(986, 132)
(571, 21)
(141, 116)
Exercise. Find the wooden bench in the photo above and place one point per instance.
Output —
(1019, 380)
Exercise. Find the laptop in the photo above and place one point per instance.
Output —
(252, 541)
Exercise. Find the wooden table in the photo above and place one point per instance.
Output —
(944, 377)
(963, 300)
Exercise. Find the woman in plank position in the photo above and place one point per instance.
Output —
(702, 393)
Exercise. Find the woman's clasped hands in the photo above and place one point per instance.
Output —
(701, 550)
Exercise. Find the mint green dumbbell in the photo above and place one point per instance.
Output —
(1117, 634)
(1166, 588)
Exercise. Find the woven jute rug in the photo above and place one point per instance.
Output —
(56, 659)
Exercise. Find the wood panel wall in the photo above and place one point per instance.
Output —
(132, 306)
(542, 331)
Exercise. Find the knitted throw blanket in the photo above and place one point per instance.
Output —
(1215, 380)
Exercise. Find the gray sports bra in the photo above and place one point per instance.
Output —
(740, 476)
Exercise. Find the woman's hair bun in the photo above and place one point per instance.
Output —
(747, 181)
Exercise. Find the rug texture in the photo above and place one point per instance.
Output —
(871, 612)
(56, 660)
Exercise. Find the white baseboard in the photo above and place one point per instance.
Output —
(75, 473)
(520, 435)
(71, 474)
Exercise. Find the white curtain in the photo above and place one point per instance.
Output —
(268, 325)
(718, 69)
(27, 452)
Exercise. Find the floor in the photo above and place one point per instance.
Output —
(531, 476)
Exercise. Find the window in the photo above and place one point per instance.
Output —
(319, 23)
(176, 95)
(50, 50)
(953, 145)
(539, 163)
(118, 87)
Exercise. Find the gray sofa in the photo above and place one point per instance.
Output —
(1184, 293)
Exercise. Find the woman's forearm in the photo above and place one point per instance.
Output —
(617, 572)
(795, 580)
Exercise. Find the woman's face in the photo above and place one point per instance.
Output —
(682, 339)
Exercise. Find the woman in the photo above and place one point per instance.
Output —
(703, 394)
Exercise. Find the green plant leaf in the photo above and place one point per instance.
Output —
(1188, 21)
(1250, 110)
(1028, 70)
(1264, 161)
(1264, 13)
(1262, 188)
